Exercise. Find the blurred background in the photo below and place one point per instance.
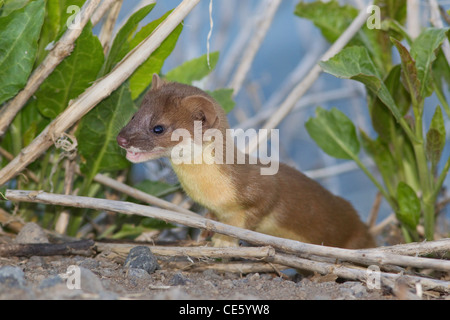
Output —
(289, 49)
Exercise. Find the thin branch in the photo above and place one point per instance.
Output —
(232, 267)
(61, 50)
(123, 249)
(106, 33)
(10, 221)
(441, 246)
(413, 19)
(253, 46)
(97, 92)
(9, 157)
(437, 22)
(304, 250)
(352, 273)
(312, 99)
(375, 209)
(102, 9)
(298, 92)
(82, 247)
(383, 224)
(139, 195)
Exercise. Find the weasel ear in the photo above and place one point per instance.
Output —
(156, 82)
(202, 109)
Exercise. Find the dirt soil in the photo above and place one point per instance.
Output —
(43, 278)
(100, 277)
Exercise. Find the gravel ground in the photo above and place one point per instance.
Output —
(141, 277)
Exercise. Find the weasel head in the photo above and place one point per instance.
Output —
(166, 108)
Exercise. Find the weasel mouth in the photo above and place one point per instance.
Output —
(142, 156)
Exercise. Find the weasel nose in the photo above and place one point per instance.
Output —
(123, 142)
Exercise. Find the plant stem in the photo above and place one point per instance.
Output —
(442, 99)
(440, 181)
(427, 190)
(375, 182)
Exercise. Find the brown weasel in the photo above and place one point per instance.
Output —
(287, 204)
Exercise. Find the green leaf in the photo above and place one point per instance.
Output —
(393, 9)
(11, 5)
(19, 33)
(55, 24)
(441, 70)
(423, 51)
(383, 159)
(382, 119)
(141, 78)
(129, 231)
(331, 18)
(224, 97)
(355, 63)
(156, 188)
(334, 133)
(408, 206)
(193, 70)
(120, 46)
(72, 76)
(97, 134)
(409, 71)
(436, 139)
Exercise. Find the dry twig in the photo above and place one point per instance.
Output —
(82, 247)
(138, 194)
(108, 26)
(253, 46)
(304, 250)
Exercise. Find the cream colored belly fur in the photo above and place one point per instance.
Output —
(208, 186)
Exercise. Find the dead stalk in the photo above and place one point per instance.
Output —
(108, 26)
(139, 195)
(304, 250)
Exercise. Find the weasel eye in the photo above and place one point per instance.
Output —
(158, 129)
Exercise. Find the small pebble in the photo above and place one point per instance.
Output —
(12, 277)
(178, 280)
(31, 233)
(51, 282)
(136, 273)
(90, 282)
(142, 258)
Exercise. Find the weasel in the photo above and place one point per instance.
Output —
(287, 204)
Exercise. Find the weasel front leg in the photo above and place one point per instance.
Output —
(236, 219)
(222, 241)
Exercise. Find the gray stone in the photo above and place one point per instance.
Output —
(89, 282)
(141, 257)
(178, 280)
(31, 233)
(51, 282)
(139, 274)
(12, 277)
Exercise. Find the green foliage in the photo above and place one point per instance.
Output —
(25, 39)
(72, 76)
(408, 206)
(193, 70)
(19, 33)
(121, 44)
(407, 160)
(98, 130)
(334, 133)
(140, 79)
